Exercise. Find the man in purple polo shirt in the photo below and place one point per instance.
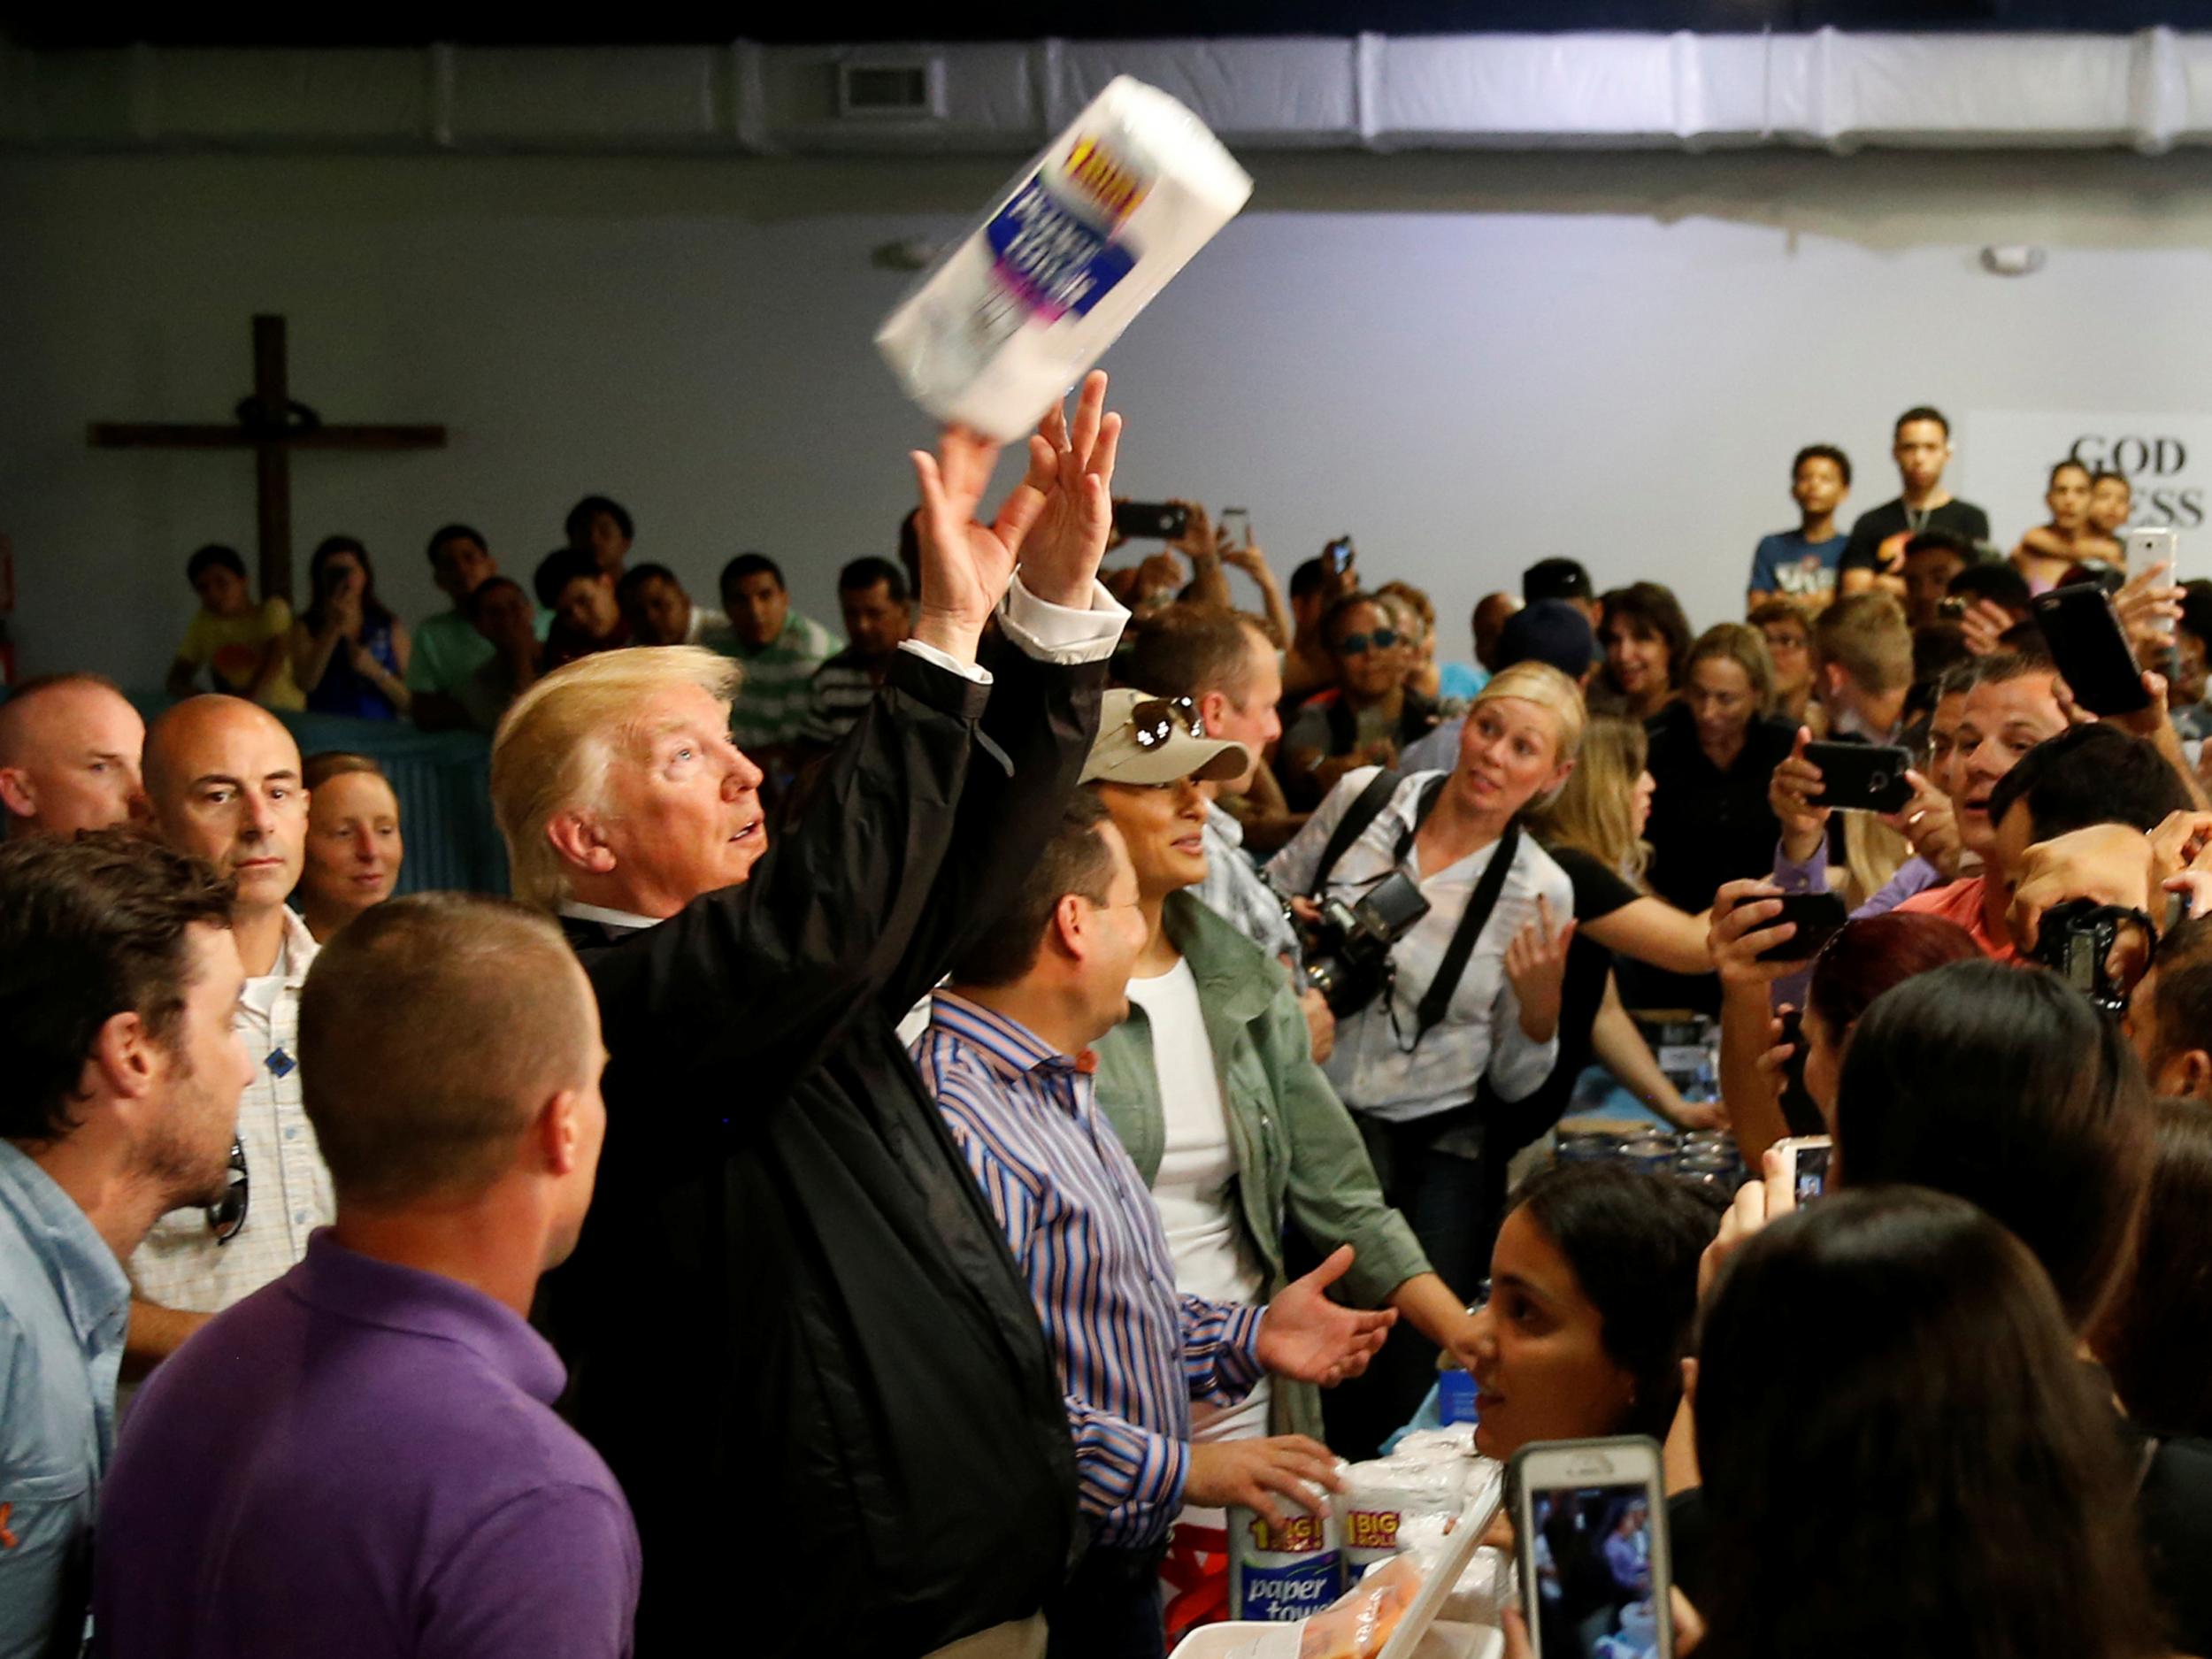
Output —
(361, 1460)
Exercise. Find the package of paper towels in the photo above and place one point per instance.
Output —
(1002, 326)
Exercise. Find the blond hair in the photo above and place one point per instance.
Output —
(550, 753)
(1547, 688)
(1867, 636)
(1595, 812)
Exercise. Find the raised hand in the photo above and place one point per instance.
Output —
(966, 564)
(1306, 1336)
(1071, 469)
(1536, 967)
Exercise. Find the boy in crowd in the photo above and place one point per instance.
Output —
(1934, 560)
(658, 609)
(1800, 564)
(1863, 657)
(1876, 554)
(781, 649)
(2111, 502)
(449, 648)
(872, 594)
(603, 529)
(580, 595)
(246, 648)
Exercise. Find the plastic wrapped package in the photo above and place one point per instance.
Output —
(1360, 1622)
(1021, 308)
(1378, 1498)
(1428, 1445)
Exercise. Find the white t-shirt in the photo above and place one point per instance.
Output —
(1194, 1189)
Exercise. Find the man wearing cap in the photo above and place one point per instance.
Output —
(1547, 631)
(1565, 579)
(1007, 1057)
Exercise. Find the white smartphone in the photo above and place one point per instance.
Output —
(1590, 1526)
(1235, 526)
(1805, 1160)
(2145, 547)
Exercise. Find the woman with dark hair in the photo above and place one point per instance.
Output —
(2004, 1087)
(1646, 640)
(1594, 1287)
(1713, 755)
(1902, 1456)
(1768, 1096)
(2157, 1340)
(349, 652)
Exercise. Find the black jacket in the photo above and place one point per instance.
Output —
(796, 1332)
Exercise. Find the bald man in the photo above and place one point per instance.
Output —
(69, 757)
(223, 776)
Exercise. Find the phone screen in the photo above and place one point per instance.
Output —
(1812, 1173)
(1598, 1594)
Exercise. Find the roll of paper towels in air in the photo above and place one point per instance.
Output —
(1000, 327)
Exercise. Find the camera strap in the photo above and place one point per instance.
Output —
(1363, 811)
(1472, 920)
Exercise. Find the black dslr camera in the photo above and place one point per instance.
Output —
(2102, 950)
(1349, 961)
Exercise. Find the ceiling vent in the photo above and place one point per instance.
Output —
(899, 89)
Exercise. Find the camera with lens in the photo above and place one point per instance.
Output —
(1348, 961)
(2102, 950)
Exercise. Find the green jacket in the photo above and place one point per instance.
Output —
(1298, 1153)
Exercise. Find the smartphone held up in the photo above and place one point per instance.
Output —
(1590, 1532)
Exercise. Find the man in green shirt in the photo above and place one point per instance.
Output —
(448, 649)
(780, 650)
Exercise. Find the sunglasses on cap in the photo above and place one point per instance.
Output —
(1154, 720)
(1360, 644)
(227, 1214)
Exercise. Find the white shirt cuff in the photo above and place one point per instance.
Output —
(1055, 634)
(945, 660)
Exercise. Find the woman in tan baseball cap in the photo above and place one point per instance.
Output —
(1211, 1085)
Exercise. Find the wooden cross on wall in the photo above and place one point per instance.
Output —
(272, 426)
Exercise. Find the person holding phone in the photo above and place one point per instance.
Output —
(1372, 715)
(1764, 1050)
(1712, 756)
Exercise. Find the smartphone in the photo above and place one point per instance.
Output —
(1819, 917)
(2090, 648)
(2146, 547)
(1862, 777)
(1805, 1160)
(1235, 526)
(1338, 556)
(1151, 520)
(1590, 1530)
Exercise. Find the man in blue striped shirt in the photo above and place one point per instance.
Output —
(1007, 1058)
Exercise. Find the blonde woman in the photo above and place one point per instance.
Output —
(1412, 1052)
(1595, 832)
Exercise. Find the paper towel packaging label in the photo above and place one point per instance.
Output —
(1015, 314)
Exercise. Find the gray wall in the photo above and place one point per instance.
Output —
(1467, 361)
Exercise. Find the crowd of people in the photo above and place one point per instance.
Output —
(949, 1114)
